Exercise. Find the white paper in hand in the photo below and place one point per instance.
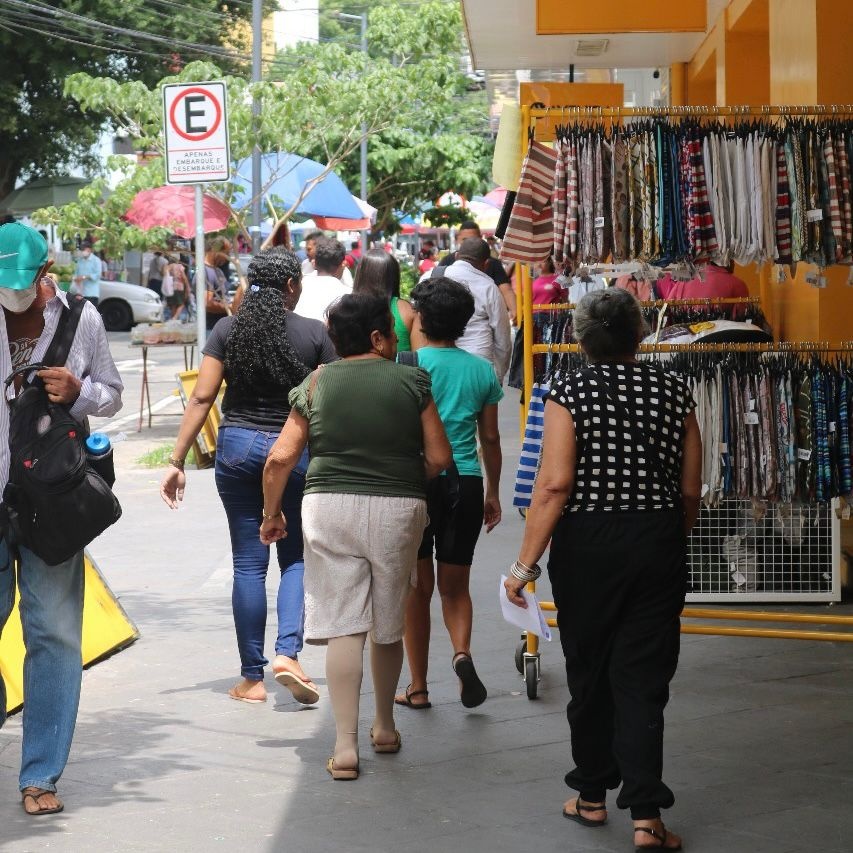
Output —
(532, 619)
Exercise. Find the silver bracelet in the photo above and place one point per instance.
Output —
(525, 573)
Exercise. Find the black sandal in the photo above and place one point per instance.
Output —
(407, 700)
(473, 690)
(577, 817)
(655, 834)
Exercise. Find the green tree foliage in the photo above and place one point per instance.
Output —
(286, 123)
(43, 132)
(437, 138)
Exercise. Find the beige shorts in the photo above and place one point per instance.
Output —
(360, 562)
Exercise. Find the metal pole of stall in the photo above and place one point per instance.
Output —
(200, 276)
(365, 233)
(257, 27)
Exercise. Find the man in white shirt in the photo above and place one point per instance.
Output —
(322, 287)
(308, 264)
(488, 331)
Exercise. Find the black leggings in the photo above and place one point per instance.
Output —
(619, 580)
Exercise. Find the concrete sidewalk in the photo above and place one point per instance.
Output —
(759, 745)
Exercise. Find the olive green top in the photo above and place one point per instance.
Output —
(364, 428)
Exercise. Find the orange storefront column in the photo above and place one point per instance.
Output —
(810, 64)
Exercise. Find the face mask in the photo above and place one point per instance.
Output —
(17, 301)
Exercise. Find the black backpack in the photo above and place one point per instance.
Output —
(54, 502)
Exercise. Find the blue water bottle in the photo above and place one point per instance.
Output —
(99, 453)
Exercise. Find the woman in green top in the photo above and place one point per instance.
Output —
(379, 274)
(376, 438)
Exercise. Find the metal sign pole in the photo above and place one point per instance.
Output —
(200, 275)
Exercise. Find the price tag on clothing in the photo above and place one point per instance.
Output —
(814, 215)
(832, 426)
(804, 454)
(751, 418)
(782, 275)
(816, 280)
(599, 222)
(724, 448)
(750, 405)
(845, 513)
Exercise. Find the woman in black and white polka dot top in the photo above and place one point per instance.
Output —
(617, 492)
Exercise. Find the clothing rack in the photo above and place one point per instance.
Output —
(664, 303)
(782, 348)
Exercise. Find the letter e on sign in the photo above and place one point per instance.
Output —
(195, 129)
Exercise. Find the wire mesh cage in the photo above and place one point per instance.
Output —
(757, 551)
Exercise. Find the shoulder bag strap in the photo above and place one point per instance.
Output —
(63, 337)
(639, 437)
(408, 357)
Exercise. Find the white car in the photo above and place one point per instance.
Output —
(123, 305)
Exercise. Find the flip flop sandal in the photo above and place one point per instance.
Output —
(473, 690)
(341, 774)
(577, 817)
(658, 836)
(35, 797)
(245, 699)
(302, 691)
(387, 747)
(406, 702)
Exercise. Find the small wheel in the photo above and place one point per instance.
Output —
(520, 649)
(531, 677)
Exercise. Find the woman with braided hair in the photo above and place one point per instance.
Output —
(262, 352)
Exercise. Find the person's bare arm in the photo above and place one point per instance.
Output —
(490, 442)
(691, 471)
(282, 458)
(210, 376)
(554, 486)
(509, 298)
(437, 451)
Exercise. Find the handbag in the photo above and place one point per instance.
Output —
(167, 288)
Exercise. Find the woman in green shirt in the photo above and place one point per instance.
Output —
(379, 274)
(376, 438)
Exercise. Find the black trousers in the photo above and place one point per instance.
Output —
(619, 580)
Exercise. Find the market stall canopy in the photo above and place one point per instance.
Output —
(173, 207)
(289, 179)
(44, 192)
(506, 35)
(332, 223)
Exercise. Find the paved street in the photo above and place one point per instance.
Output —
(759, 745)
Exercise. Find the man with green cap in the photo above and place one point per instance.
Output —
(51, 596)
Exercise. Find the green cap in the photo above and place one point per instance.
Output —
(23, 252)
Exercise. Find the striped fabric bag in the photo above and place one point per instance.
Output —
(531, 447)
(530, 234)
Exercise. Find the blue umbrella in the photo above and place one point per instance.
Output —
(285, 176)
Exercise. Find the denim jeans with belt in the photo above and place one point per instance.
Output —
(52, 619)
(240, 457)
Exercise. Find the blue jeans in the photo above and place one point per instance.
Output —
(52, 619)
(240, 457)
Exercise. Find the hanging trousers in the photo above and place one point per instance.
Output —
(619, 581)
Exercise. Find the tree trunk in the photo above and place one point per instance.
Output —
(9, 172)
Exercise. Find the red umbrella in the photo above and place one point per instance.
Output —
(174, 208)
